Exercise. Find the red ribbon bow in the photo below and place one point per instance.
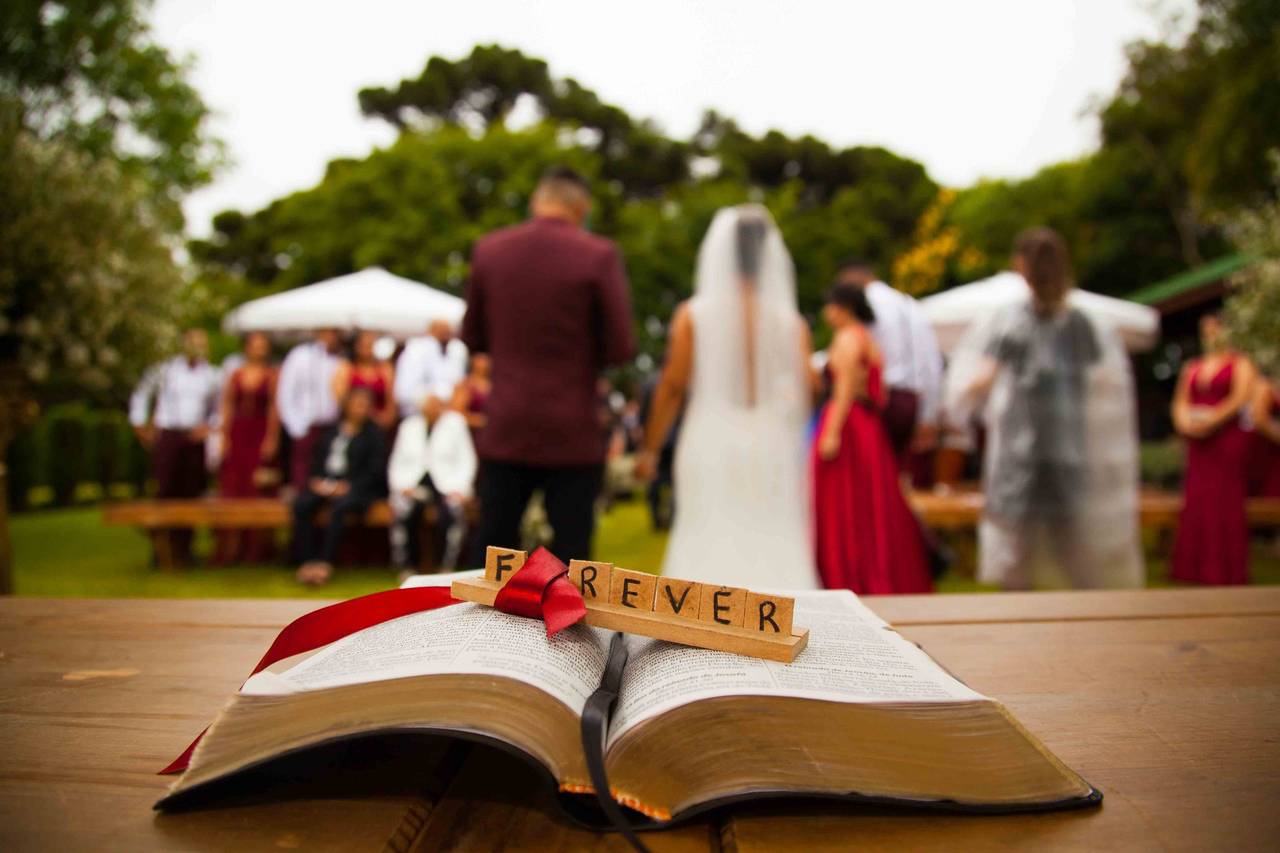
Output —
(541, 590)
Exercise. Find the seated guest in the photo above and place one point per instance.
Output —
(305, 401)
(433, 464)
(365, 370)
(347, 474)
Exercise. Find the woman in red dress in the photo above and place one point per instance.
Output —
(1212, 545)
(866, 537)
(251, 436)
(365, 370)
(471, 397)
(1266, 431)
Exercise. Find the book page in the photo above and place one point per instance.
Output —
(852, 656)
(459, 639)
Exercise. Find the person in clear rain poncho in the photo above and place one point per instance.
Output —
(1054, 390)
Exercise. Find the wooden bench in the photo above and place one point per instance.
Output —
(961, 510)
(157, 517)
(958, 511)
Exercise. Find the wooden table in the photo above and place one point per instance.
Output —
(1167, 700)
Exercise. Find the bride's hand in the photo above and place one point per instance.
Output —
(646, 466)
(829, 446)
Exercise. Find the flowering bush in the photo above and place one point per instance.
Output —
(89, 287)
(938, 256)
(1252, 310)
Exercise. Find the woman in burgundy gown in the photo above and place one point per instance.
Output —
(471, 397)
(365, 370)
(251, 436)
(1266, 438)
(866, 537)
(1212, 545)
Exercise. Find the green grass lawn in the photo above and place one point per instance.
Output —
(72, 553)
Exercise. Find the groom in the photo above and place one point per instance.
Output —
(550, 304)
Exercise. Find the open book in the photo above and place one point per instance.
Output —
(861, 713)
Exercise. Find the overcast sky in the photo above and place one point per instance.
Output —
(972, 89)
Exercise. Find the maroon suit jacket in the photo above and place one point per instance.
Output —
(550, 304)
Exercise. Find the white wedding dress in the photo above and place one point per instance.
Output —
(742, 496)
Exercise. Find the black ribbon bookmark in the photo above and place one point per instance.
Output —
(595, 728)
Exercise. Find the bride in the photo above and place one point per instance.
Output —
(738, 355)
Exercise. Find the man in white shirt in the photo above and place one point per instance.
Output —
(305, 401)
(184, 390)
(912, 361)
(433, 463)
(429, 366)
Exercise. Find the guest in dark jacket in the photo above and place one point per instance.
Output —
(549, 303)
(348, 473)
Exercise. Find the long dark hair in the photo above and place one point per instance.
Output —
(851, 298)
(750, 244)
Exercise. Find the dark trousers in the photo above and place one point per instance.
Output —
(177, 463)
(450, 527)
(899, 417)
(305, 507)
(301, 454)
(569, 494)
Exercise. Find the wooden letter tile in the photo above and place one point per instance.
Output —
(678, 598)
(633, 590)
(722, 605)
(591, 579)
(770, 614)
(501, 563)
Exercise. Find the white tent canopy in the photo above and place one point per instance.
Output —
(371, 299)
(952, 311)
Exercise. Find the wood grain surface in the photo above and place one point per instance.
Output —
(1168, 701)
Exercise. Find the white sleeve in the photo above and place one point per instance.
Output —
(454, 461)
(928, 362)
(408, 460)
(140, 399)
(288, 389)
(406, 387)
(967, 364)
(213, 398)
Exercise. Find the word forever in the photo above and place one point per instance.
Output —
(607, 585)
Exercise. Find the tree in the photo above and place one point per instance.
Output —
(89, 289)
(88, 283)
(1203, 115)
(457, 171)
(88, 74)
(414, 208)
(1252, 309)
(480, 90)
(100, 135)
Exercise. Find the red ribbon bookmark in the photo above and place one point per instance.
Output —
(321, 627)
(540, 590)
